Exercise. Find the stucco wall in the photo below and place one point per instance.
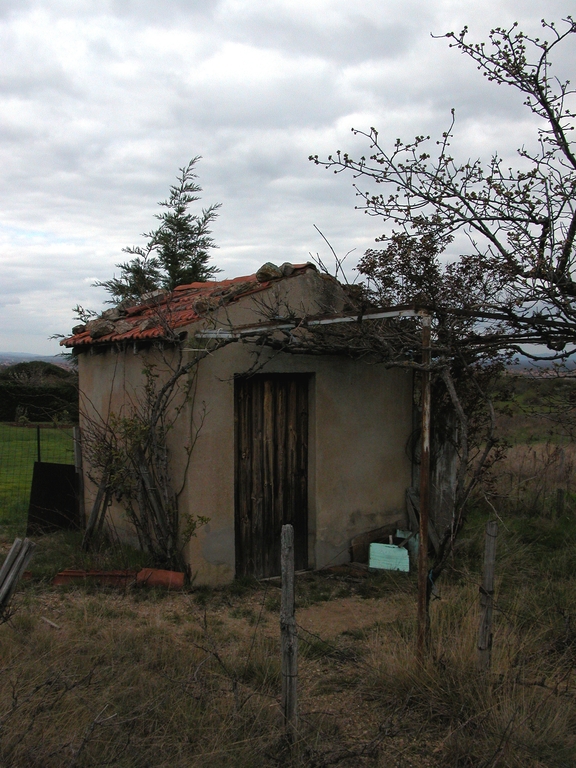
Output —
(306, 294)
(360, 420)
(111, 381)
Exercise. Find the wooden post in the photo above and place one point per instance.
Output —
(10, 559)
(99, 508)
(288, 636)
(560, 496)
(561, 492)
(39, 459)
(13, 568)
(76, 434)
(423, 618)
(487, 598)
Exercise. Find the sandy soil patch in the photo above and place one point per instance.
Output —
(332, 618)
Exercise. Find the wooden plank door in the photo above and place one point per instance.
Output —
(271, 470)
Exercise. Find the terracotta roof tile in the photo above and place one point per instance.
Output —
(156, 315)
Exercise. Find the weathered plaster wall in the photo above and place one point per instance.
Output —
(306, 294)
(112, 382)
(360, 421)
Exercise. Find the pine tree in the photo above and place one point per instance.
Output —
(176, 253)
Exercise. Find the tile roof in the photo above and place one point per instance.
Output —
(163, 311)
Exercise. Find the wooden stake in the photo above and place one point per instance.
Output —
(10, 559)
(78, 465)
(487, 598)
(560, 496)
(288, 636)
(423, 618)
(99, 508)
(12, 570)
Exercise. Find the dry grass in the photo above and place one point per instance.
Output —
(147, 679)
(128, 683)
(521, 714)
(528, 480)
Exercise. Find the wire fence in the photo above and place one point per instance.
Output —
(20, 447)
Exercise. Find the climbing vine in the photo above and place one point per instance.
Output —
(130, 462)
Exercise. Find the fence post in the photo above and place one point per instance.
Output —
(557, 507)
(288, 636)
(423, 614)
(487, 598)
(79, 471)
(38, 443)
(560, 496)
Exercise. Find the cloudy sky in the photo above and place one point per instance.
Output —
(101, 101)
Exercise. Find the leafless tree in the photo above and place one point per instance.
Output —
(515, 287)
(521, 224)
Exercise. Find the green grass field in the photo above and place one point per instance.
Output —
(18, 452)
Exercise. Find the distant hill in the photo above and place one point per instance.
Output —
(525, 364)
(11, 358)
(38, 390)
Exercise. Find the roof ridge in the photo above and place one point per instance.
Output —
(183, 306)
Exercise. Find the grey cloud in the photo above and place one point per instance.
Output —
(25, 70)
(11, 8)
(355, 38)
(93, 128)
(294, 98)
(6, 299)
(163, 13)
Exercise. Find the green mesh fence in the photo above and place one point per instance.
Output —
(20, 447)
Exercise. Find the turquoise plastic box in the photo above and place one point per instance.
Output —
(389, 557)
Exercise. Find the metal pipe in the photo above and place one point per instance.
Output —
(224, 333)
(423, 618)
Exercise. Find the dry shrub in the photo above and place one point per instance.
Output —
(520, 714)
(528, 479)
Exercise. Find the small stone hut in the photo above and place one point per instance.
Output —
(319, 441)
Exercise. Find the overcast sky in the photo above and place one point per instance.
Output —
(101, 101)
